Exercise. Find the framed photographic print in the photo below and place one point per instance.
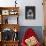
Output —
(30, 12)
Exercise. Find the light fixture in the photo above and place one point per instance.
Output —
(15, 3)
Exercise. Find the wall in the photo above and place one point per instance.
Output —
(38, 21)
(39, 13)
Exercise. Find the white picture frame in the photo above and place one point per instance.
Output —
(5, 12)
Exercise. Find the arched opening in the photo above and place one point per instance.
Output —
(9, 35)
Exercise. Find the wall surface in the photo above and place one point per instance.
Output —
(39, 13)
(38, 21)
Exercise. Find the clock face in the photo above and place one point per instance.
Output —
(5, 12)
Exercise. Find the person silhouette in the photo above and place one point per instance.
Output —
(30, 14)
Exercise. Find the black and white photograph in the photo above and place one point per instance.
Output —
(30, 12)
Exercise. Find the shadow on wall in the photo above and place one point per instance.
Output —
(37, 29)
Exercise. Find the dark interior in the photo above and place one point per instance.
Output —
(9, 35)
